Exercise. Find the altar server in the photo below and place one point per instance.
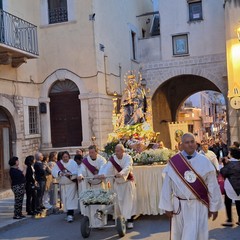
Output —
(120, 165)
(190, 192)
(65, 171)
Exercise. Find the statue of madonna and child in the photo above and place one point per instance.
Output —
(133, 103)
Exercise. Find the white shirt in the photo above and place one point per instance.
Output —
(212, 157)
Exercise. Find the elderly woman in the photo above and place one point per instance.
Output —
(66, 171)
(231, 173)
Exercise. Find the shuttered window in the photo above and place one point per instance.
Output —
(195, 11)
(33, 120)
(57, 11)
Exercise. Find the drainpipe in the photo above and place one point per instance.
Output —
(108, 92)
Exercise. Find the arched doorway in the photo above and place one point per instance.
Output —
(170, 95)
(65, 114)
(5, 147)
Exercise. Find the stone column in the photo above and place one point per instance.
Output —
(46, 125)
(86, 138)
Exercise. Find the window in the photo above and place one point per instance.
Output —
(190, 128)
(57, 11)
(180, 44)
(155, 29)
(195, 11)
(133, 38)
(33, 120)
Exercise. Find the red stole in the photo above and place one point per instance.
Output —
(119, 169)
(197, 187)
(90, 167)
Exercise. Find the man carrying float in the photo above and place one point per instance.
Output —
(120, 166)
(91, 164)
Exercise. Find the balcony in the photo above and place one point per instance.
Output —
(18, 40)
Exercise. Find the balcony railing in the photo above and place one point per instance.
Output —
(17, 33)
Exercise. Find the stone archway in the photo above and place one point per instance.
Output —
(61, 75)
(170, 95)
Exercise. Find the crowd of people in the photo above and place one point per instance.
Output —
(73, 176)
(197, 166)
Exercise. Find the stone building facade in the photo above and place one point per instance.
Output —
(60, 64)
(189, 56)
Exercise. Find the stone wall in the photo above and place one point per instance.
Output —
(21, 146)
(211, 67)
(100, 118)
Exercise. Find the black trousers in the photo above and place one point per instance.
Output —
(228, 205)
(31, 198)
(40, 193)
(18, 191)
(70, 212)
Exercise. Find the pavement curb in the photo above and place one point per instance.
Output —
(12, 224)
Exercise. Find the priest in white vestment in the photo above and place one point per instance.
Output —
(65, 171)
(89, 168)
(124, 184)
(188, 214)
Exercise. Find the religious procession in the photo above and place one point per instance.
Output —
(198, 179)
(120, 119)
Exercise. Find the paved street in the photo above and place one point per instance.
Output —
(146, 227)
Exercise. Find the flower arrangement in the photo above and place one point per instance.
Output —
(140, 131)
(97, 196)
(153, 156)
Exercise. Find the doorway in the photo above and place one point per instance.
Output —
(5, 148)
(65, 114)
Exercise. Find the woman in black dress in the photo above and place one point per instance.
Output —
(18, 186)
(30, 186)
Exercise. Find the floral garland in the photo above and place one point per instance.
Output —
(151, 156)
(97, 196)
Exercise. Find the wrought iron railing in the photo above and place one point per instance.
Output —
(17, 33)
(57, 15)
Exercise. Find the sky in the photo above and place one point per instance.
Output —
(156, 5)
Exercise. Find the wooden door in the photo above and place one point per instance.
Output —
(66, 123)
(5, 154)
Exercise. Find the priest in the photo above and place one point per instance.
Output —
(65, 170)
(120, 166)
(91, 164)
(190, 193)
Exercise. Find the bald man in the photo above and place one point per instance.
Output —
(120, 165)
(190, 192)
